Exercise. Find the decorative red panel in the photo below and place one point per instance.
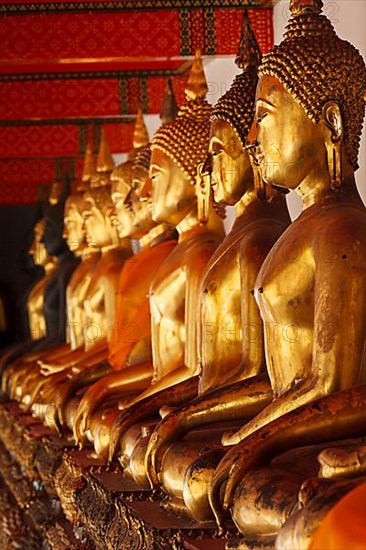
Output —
(20, 193)
(155, 91)
(39, 141)
(22, 6)
(28, 170)
(59, 98)
(228, 28)
(164, 33)
(90, 35)
(119, 137)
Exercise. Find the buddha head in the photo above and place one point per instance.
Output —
(74, 228)
(177, 148)
(141, 205)
(37, 249)
(310, 104)
(97, 212)
(121, 179)
(141, 182)
(98, 206)
(231, 120)
(123, 183)
(52, 238)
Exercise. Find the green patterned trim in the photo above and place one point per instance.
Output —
(123, 95)
(185, 48)
(144, 95)
(210, 32)
(121, 75)
(98, 135)
(69, 121)
(128, 5)
(82, 139)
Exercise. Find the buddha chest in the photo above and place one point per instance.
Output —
(220, 336)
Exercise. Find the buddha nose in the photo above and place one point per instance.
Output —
(146, 190)
(252, 136)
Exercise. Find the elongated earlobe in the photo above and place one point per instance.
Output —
(333, 120)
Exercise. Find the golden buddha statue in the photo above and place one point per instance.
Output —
(230, 340)
(131, 357)
(131, 348)
(177, 148)
(35, 300)
(130, 341)
(21, 361)
(75, 236)
(76, 232)
(90, 295)
(98, 297)
(311, 289)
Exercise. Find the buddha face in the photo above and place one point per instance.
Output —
(98, 226)
(291, 148)
(123, 216)
(231, 167)
(172, 194)
(37, 249)
(141, 204)
(74, 231)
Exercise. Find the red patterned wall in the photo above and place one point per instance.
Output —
(86, 61)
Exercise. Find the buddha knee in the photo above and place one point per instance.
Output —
(264, 500)
(197, 481)
(137, 463)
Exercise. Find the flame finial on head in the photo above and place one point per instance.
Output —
(105, 161)
(300, 7)
(89, 169)
(140, 134)
(169, 107)
(248, 55)
(236, 106)
(196, 87)
(186, 139)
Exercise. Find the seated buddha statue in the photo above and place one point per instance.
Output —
(177, 149)
(311, 289)
(102, 275)
(173, 288)
(35, 300)
(130, 341)
(230, 335)
(131, 357)
(55, 290)
(130, 347)
(105, 169)
(93, 296)
(35, 313)
(74, 233)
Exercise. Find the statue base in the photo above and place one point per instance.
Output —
(56, 493)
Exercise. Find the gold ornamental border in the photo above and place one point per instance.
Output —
(127, 5)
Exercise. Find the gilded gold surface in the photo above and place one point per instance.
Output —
(230, 333)
(35, 304)
(311, 289)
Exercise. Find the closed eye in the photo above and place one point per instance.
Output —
(261, 117)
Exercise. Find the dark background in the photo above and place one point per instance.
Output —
(17, 271)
